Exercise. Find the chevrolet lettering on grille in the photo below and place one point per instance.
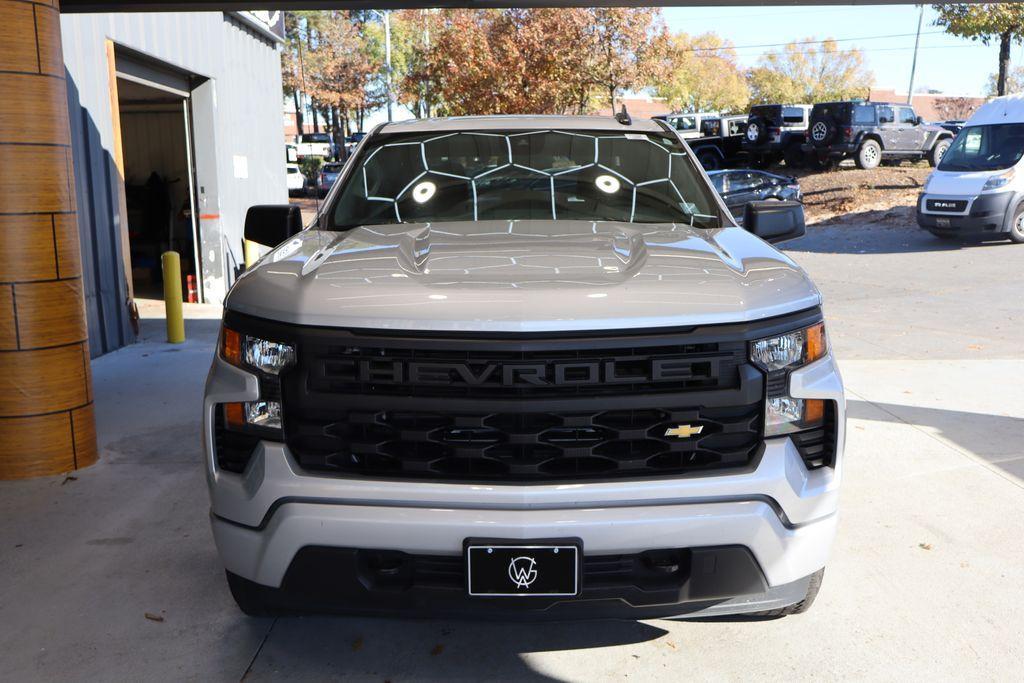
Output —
(536, 374)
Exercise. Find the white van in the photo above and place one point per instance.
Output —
(978, 188)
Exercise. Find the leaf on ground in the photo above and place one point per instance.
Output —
(975, 347)
(924, 546)
(438, 649)
(670, 644)
(153, 617)
(357, 644)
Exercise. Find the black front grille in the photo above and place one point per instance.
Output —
(527, 446)
(949, 205)
(533, 408)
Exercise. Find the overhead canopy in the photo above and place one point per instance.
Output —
(210, 5)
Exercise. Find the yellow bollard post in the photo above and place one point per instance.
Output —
(250, 253)
(171, 263)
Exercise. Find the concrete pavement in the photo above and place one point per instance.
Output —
(927, 576)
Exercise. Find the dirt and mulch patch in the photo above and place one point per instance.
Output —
(887, 194)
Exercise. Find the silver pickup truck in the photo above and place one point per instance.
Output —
(524, 366)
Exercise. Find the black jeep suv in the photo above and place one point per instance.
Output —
(775, 132)
(872, 132)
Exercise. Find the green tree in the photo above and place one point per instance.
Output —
(809, 71)
(986, 22)
(700, 73)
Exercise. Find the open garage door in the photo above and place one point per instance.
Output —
(159, 174)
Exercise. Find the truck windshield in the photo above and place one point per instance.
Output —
(985, 148)
(544, 175)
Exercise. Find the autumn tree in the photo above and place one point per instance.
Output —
(955, 108)
(623, 46)
(986, 22)
(340, 74)
(505, 61)
(1014, 82)
(700, 73)
(809, 71)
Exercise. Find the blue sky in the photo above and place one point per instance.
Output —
(946, 63)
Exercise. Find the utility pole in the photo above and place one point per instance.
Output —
(387, 57)
(913, 64)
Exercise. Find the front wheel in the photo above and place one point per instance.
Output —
(709, 160)
(869, 155)
(1017, 226)
(935, 156)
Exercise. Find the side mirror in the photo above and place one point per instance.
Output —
(271, 224)
(919, 120)
(774, 221)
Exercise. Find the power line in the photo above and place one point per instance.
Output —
(805, 42)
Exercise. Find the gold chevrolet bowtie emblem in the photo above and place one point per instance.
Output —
(684, 431)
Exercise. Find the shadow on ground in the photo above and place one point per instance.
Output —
(993, 438)
(319, 647)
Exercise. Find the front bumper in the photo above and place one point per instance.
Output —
(781, 512)
(983, 214)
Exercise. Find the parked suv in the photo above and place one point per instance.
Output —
(775, 132)
(524, 365)
(872, 132)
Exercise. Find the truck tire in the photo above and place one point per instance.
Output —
(799, 607)
(869, 154)
(1017, 225)
(938, 149)
(794, 156)
(757, 130)
(709, 160)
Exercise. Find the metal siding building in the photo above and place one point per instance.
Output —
(228, 68)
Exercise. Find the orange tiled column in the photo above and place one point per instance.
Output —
(46, 412)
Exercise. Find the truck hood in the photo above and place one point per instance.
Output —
(958, 183)
(522, 276)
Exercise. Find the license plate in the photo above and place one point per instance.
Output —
(942, 222)
(541, 569)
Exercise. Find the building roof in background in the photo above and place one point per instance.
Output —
(932, 106)
(639, 106)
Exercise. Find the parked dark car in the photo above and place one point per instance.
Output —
(740, 186)
(775, 132)
(328, 174)
(871, 132)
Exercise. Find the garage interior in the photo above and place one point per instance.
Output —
(159, 181)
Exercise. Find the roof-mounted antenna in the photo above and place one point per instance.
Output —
(623, 117)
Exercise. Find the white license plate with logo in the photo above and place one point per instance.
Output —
(502, 570)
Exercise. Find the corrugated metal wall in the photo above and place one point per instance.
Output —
(246, 114)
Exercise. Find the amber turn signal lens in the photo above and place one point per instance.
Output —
(814, 410)
(231, 348)
(234, 415)
(817, 346)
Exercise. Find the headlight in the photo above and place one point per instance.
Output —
(997, 181)
(268, 359)
(778, 356)
(790, 350)
(258, 354)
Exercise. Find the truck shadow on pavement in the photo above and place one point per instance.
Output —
(995, 439)
(318, 648)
